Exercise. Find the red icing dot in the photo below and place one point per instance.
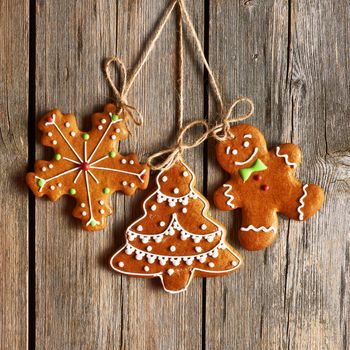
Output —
(50, 119)
(258, 177)
(85, 166)
(265, 187)
(143, 176)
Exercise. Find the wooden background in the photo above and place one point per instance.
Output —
(56, 288)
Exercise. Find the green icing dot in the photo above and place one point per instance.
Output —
(93, 223)
(57, 156)
(106, 190)
(41, 183)
(86, 137)
(112, 154)
(115, 117)
(72, 191)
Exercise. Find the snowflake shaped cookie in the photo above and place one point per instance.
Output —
(87, 165)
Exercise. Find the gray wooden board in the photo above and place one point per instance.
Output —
(14, 57)
(291, 57)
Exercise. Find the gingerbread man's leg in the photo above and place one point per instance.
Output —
(258, 229)
(303, 202)
(176, 280)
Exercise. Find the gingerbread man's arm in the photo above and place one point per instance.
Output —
(226, 198)
(289, 153)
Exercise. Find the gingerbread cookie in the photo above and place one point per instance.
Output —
(262, 184)
(87, 165)
(176, 239)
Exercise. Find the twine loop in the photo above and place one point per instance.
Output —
(175, 153)
(121, 94)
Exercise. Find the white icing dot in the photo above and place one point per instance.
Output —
(146, 268)
(246, 144)
(84, 213)
(176, 190)
(172, 248)
(185, 173)
(59, 184)
(139, 228)
(67, 125)
(124, 183)
(103, 121)
(52, 187)
(43, 168)
(83, 205)
(164, 178)
(153, 207)
(149, 248)
(170, 272)
(123, 161)
(198, 249)
(234, 263)
(113, 137)
(100, 127)
(101, 202)
(120, 264)
(234, 152)
(50, 166)
(184, 210)
(131, 162)
(171, 203)
(162, 224)
(132, 185)
(49, 134)
(203, 226)
(117, 131)
(102, 211)
(211, 264)
(54, 142)
(72, 133)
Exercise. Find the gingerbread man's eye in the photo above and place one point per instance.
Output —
(234, 152)
(246, 144)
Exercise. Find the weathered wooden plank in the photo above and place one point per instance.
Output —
(14, 64)
(290, 57)
(153, 319)
(80, 301)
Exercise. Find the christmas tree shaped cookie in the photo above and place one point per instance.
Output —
(87, 165)
(176, 238)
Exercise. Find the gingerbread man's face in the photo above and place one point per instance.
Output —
(247, 146)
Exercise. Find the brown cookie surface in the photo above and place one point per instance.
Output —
(86, 165)
(176, 238)
(262, 184)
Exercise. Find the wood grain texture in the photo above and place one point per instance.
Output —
(293, 295)
(14, 57)
(291, 57)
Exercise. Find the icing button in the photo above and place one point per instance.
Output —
(258, 177)
(265, 187)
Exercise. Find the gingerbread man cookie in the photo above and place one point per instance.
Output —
(262, 184)
(87, 165)
(176, 238)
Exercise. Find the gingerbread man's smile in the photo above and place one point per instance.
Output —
(256, 149)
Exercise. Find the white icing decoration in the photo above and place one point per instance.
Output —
(52, 187)
(198, 249)
(89, 201)
(49, 134)
(185, 174)
(285, 156)
(234, 152)
(138, 175)
(211, 264)
(59, 184)
(72, 133)
(229, 196)
(246, 144)
(139, 228)
(228, 149)
(188, 260)
(120, 264)
(54, 142)
(117, 131)
(149, 248)
(234, 263)
(164, 178)
(257, 229)
(83, 205)
(153, 207)
(43, 169)
(101, 202)
(100, 127)
(84, 213)
(102, 211)
(172, 248)
(124, 183)
(113, 137)
(172, 201)
(50, 166)
(162, 224)
(132, 185)
(123, 161)
(170, 272)
(67, 125)
(146, 268)
(176, 190)
(256, 149)
(302, 204)
(131, 162)
(103, 121)
(248, 136)
(184, 210)
(203, 226)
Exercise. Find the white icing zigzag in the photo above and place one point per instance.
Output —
(285, 156)
(257, 229)
(229, 196)
(302, 204)
(170, 231)
(175, 260)
(161, 197)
